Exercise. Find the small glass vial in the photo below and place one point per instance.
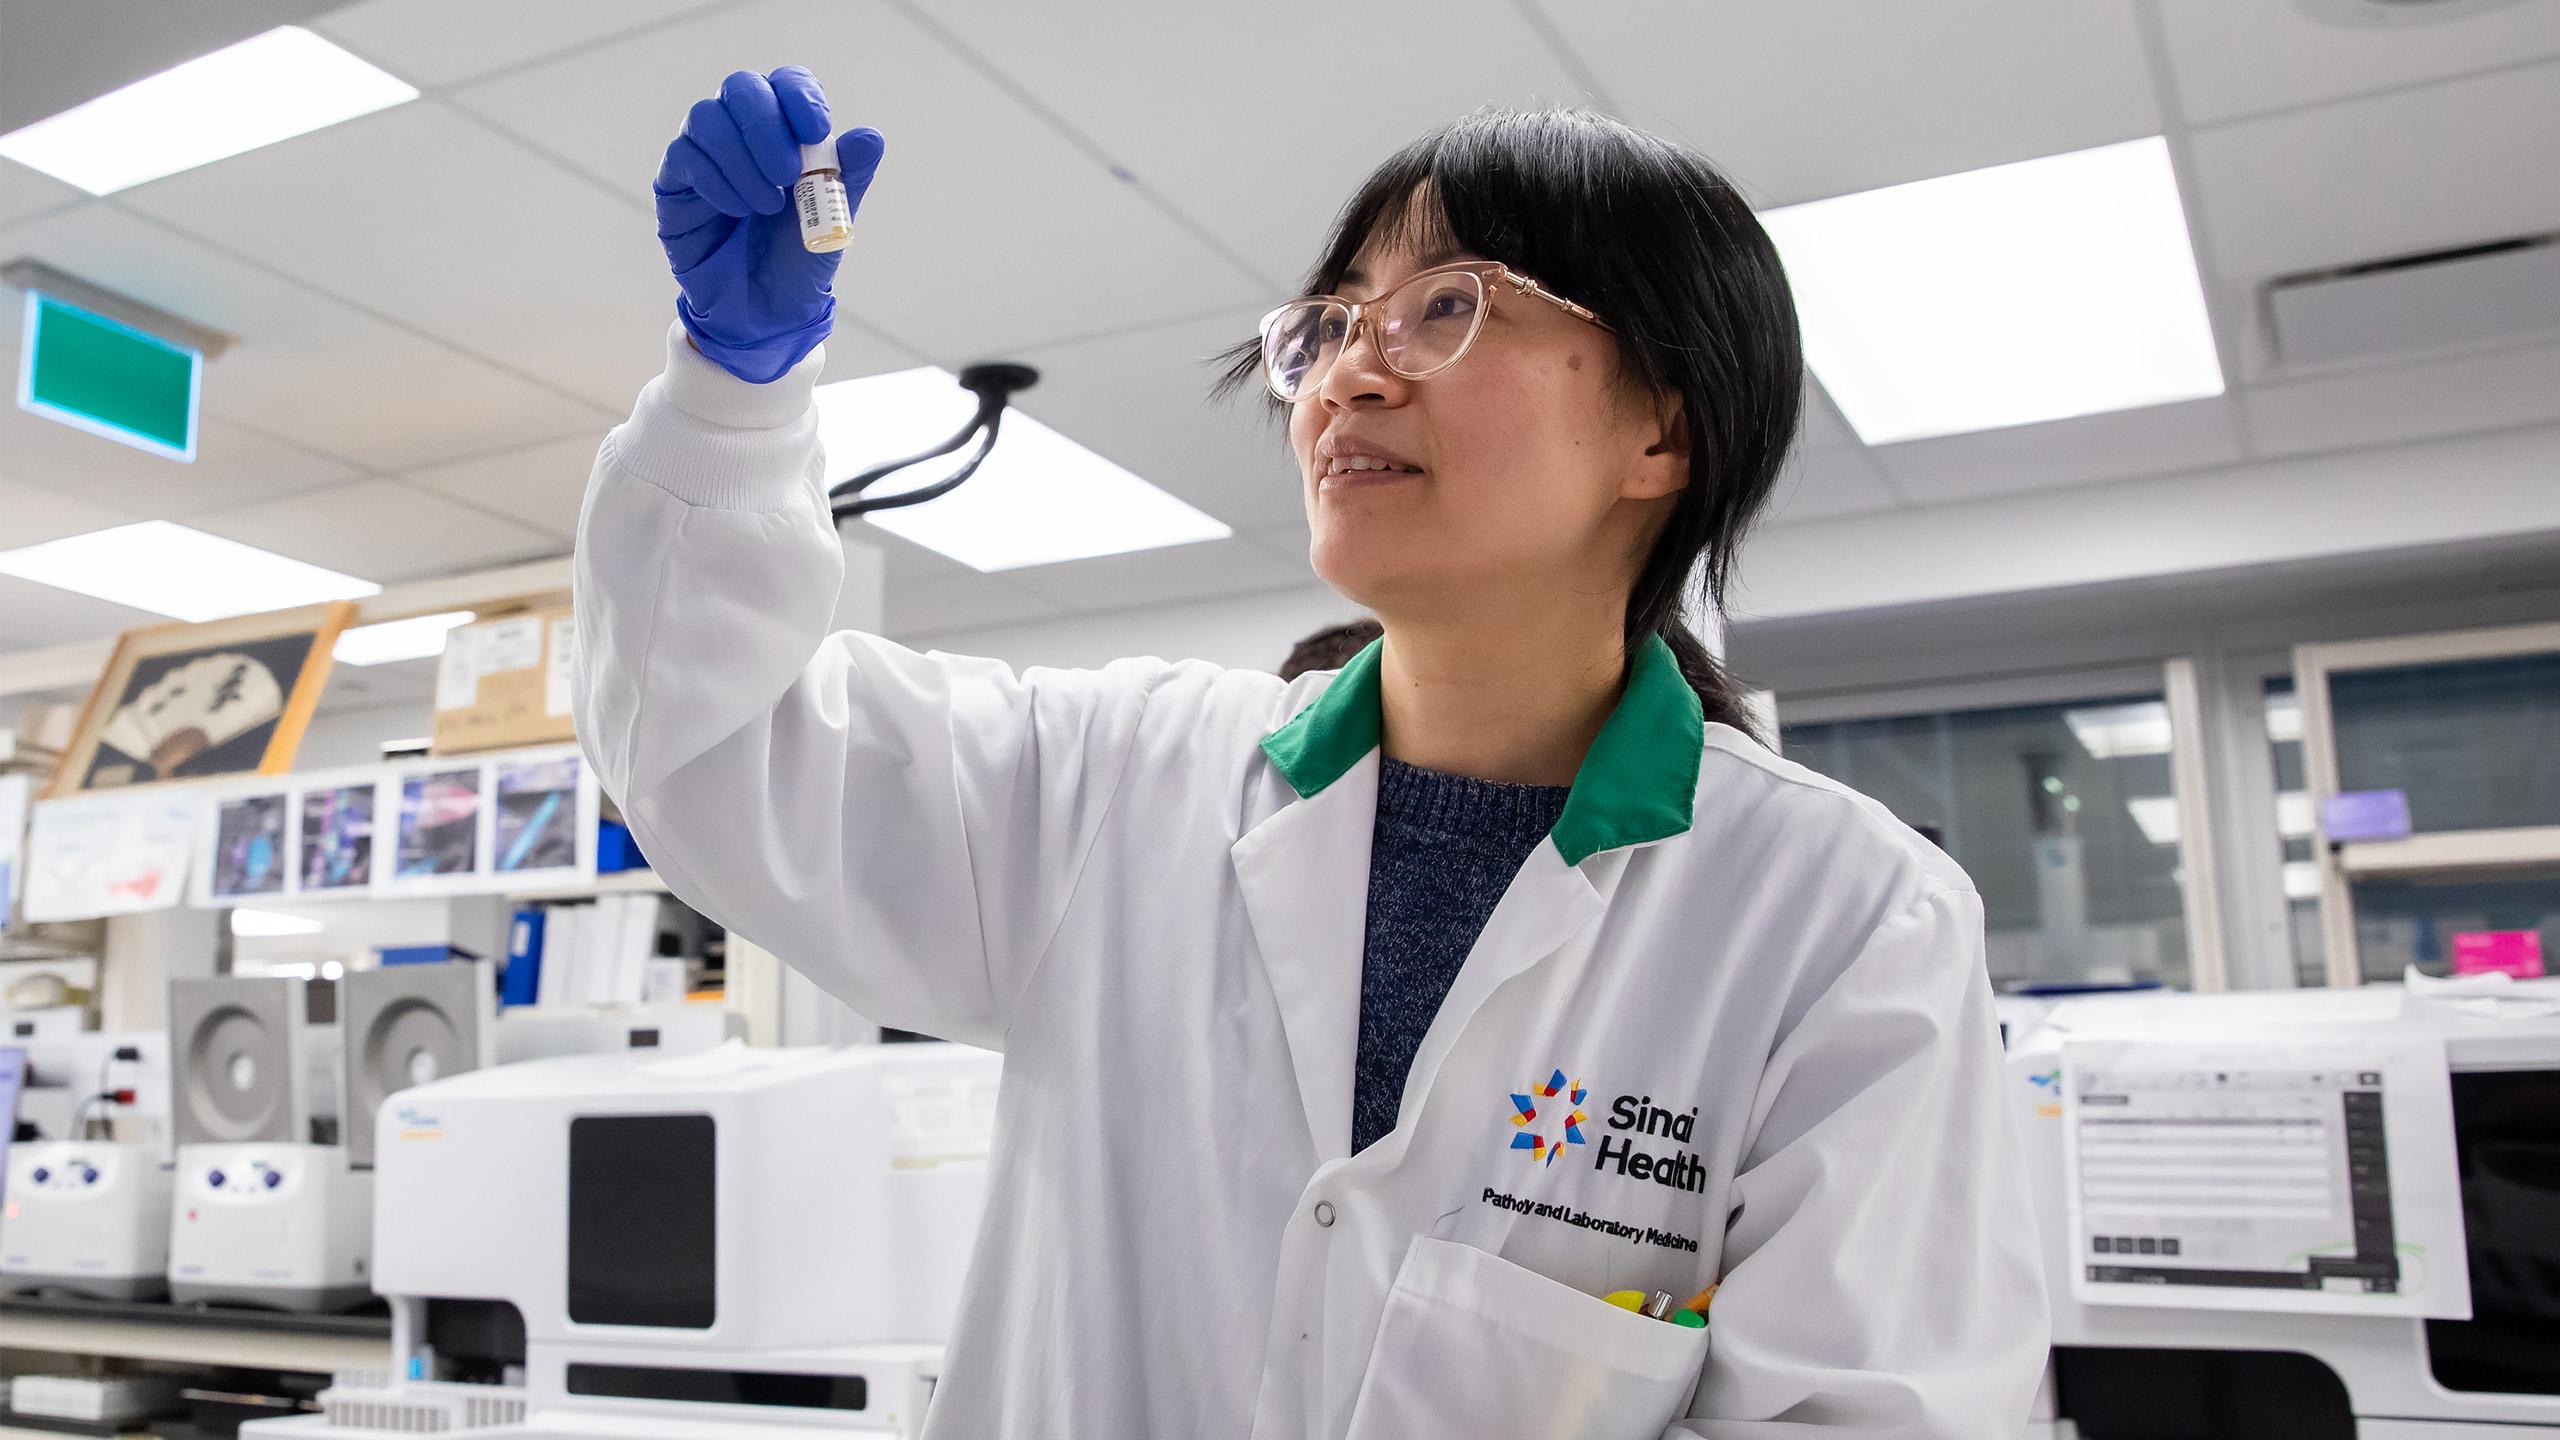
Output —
(826, 220)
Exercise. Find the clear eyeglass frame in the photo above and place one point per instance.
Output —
(1489, 278)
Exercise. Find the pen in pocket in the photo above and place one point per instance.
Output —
(1657, 1305)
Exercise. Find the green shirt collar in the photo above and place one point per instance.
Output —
(1638, 782)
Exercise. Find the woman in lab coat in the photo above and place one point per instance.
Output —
(1271, 1161)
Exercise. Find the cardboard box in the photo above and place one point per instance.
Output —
(504, 682)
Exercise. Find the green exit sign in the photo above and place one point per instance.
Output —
(108, 378)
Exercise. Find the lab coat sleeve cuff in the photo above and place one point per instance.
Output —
(711, 439)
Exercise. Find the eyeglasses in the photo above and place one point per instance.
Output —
(1423, 326)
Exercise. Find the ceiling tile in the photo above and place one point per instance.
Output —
(1173, 573)
(441, 42)
(31, 515)
(1293, 141)
(381, 530)
(306, 368)
(33, 614)
(437, 221)
(233, 466)
(852, 351)
(2424, 169)
(2413, 402)
(984, 230)
(25, 193)
(1819, 484)
(1288, 543)
(1824, 426)
(2242, 59)
(1142, 399)
(928, 607)
(541, 485)
(2158, 439)
(60, 56)
(1773, 92)
(902, 559)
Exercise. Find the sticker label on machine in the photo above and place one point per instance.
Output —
(2296, 1174)
(937, 1120)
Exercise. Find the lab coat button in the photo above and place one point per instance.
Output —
(1324, 1213)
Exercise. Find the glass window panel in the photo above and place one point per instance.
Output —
(2400, 923)
(2062, 814)
(2475, 743)
(2293, 817)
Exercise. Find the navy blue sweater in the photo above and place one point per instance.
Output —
(1444, 850)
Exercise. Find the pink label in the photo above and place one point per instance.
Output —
(2509, 952)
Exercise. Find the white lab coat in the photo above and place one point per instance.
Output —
(1109, 877)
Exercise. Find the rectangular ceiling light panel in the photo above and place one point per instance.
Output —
(2022, 293)
(185, 574)
(1040, 498)
(269, 87)
(418, 637)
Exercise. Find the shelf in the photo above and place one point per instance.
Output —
(619, 882)
(157, 1330)
(2454, 852)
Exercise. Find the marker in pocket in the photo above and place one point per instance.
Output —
(1656, 1305)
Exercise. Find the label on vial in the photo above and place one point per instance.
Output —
(824, 213)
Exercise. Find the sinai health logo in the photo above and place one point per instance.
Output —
(1563, 1123)
(1548, 1118)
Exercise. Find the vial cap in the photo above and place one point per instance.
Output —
(821, 156)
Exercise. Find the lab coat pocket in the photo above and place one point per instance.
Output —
(1473, 1346)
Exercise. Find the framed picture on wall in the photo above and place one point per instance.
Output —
(247, 847)
(436, 828)
(334, 835)
(191, 702)
(544, 821)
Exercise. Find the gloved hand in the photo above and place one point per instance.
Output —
(752, 298)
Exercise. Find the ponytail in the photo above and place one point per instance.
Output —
(1720, 696)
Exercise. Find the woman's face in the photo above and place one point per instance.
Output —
(1538, 469)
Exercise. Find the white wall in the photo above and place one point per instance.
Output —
(1243, 631)
(2479, 487)
(2165, 530)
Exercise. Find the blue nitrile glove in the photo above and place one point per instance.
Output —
(752, 298)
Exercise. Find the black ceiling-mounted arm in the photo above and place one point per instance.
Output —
(994, 383)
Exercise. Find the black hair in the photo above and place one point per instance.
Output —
(1330, 648)
(1658, 242)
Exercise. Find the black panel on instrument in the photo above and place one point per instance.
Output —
(2506, 1136)
(720, 1387)
(643, 1221)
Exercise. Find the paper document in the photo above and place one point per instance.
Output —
(2289, 1173)
(113, 854)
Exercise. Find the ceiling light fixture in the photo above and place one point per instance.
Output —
(418, 637)
(2110, 732)
(2021, 293)
(269, 87)
(1038, 498)
(181, 573)
(2158, 817)
(267, 924)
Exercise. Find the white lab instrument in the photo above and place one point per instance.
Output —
(268, 1209)
(528, 1033)
(2324, 1359)
(2019, 1014)
(52, 1022)
(87, 1208)
(406, 1025)
(744, 1242)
